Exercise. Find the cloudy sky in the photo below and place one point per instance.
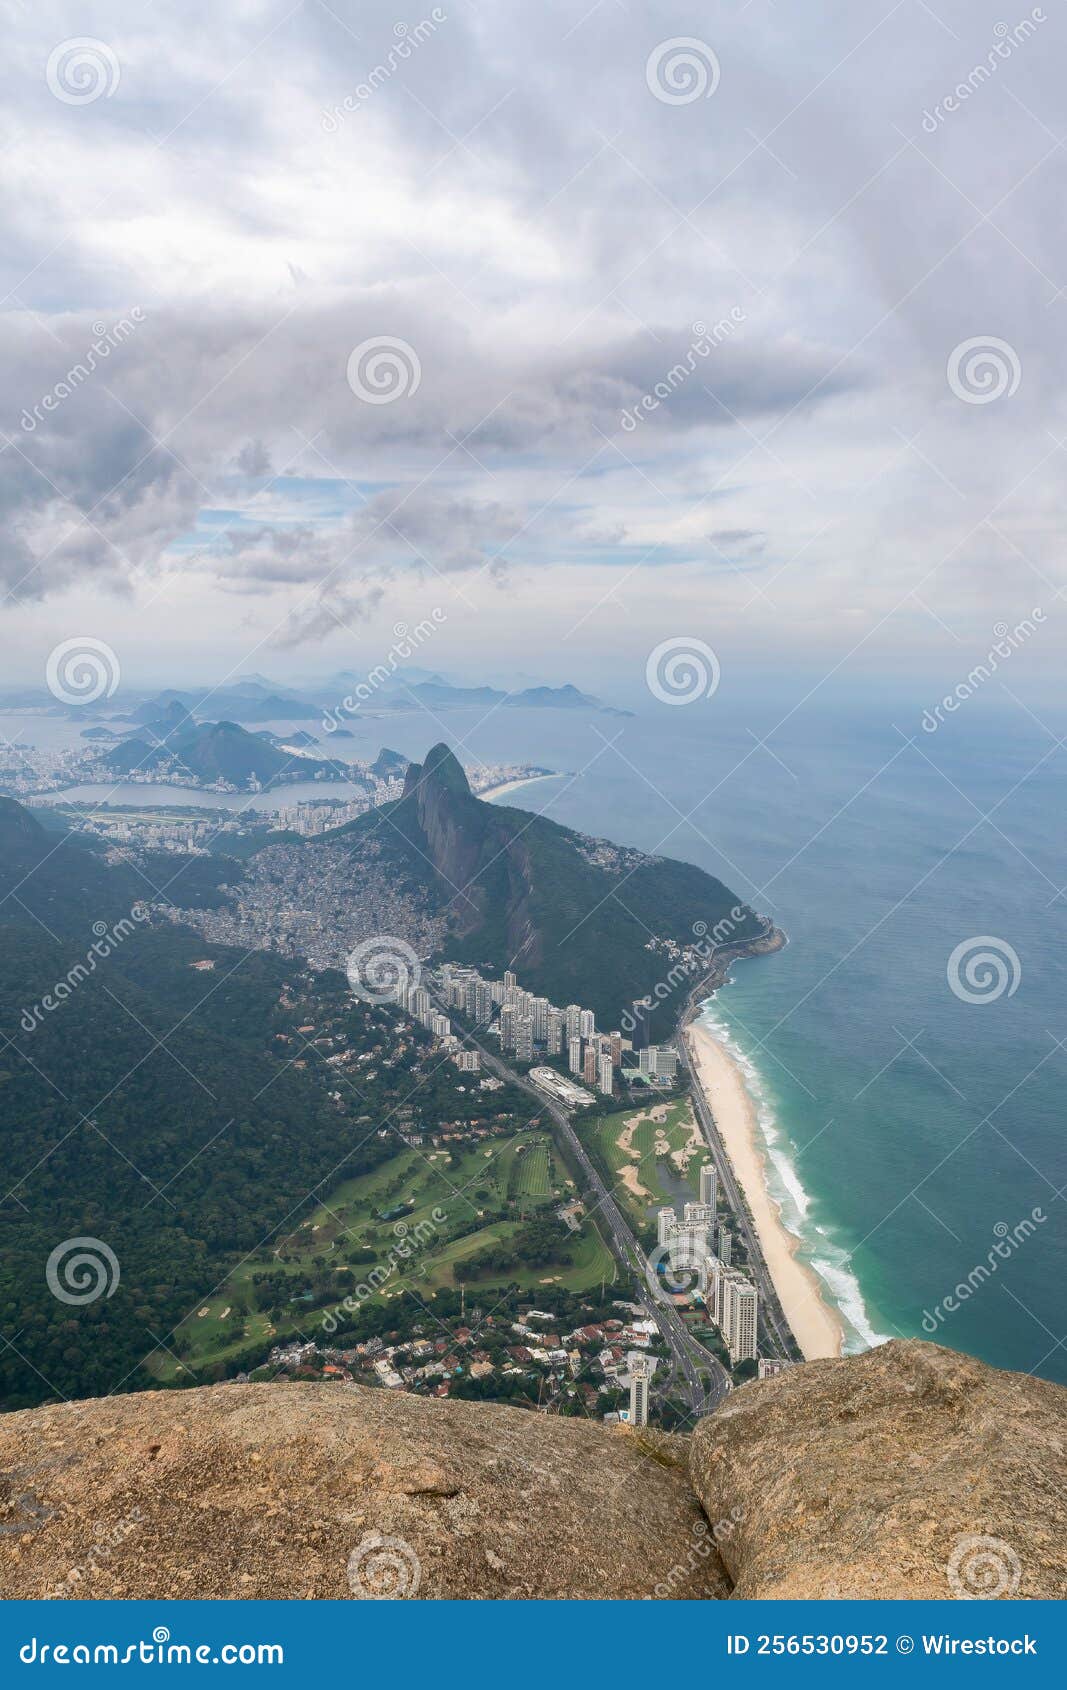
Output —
(586, 325)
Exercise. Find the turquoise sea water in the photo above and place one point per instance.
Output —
(916, 1139)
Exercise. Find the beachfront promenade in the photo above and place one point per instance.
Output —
(776, 1331)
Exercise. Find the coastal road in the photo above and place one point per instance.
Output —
(776, 1329)
(705, 1379)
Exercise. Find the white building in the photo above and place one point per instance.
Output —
(563, 1090)
(709, 1185)
(740, 1303)
(605, 1080)
(641, 1370)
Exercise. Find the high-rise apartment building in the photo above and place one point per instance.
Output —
(574, 1054)
(739, 1331)
(641, 1368)
(709, 1185)
(642, 1015)
(539, 1016)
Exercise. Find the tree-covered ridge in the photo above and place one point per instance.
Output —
(184, 1103)
(573, 916)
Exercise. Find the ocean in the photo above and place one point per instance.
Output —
(910, 1093)
(914, 1123)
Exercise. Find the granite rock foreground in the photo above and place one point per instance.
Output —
(907, 1472)
(910, 1471)
(328, 1491)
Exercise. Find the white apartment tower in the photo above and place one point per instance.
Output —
(742, 1302)
(709, 1185)
(640, 1378)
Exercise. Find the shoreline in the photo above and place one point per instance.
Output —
(514, 785)
(816, 1324)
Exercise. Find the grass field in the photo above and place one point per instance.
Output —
(415, 1218)
(654, 1152)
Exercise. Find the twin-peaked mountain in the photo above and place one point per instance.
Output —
(574, 916)
(211, 751)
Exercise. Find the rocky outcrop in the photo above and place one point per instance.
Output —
(332, 1491)
(910, 1471)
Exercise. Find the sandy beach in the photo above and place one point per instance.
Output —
(816, 1326)
(514, 785)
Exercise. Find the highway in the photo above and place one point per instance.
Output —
(706, 1381)
(775, 1329)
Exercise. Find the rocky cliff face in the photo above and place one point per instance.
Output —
(455, 829)
(327, 1491)
(909, 1472)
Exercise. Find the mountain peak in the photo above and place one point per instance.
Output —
(19, 828)
(441, 767)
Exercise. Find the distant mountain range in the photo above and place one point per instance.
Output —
(211, 751)
(257, 699)
(437, 694)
